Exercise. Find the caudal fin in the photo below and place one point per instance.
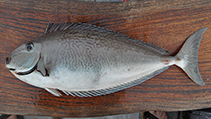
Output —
(187, 58)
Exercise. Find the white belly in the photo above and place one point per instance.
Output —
(64, 79)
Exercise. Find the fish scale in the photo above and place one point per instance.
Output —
(85, 60)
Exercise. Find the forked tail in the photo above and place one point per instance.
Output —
(187, 58)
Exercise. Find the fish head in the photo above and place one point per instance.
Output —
(23, 60)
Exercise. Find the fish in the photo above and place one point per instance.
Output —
(85, 60)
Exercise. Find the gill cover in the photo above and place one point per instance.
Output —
(25, 57)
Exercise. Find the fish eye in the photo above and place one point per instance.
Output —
(29, 46)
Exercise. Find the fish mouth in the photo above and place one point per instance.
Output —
(11, 69)
(27, 72)
(24, 73)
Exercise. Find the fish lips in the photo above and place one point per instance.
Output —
(26, 72)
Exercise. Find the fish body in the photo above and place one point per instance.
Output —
(85, 60)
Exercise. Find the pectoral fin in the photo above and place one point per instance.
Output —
(41, 68)
(53, 91)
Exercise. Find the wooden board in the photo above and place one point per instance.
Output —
(162, 23)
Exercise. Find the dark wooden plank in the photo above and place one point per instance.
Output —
(162, 23)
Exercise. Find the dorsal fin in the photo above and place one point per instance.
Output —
(52, 27)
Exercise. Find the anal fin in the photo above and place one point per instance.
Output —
(53, 91)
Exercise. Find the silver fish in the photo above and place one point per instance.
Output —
(85, 60)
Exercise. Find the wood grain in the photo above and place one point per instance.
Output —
(162, 23)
